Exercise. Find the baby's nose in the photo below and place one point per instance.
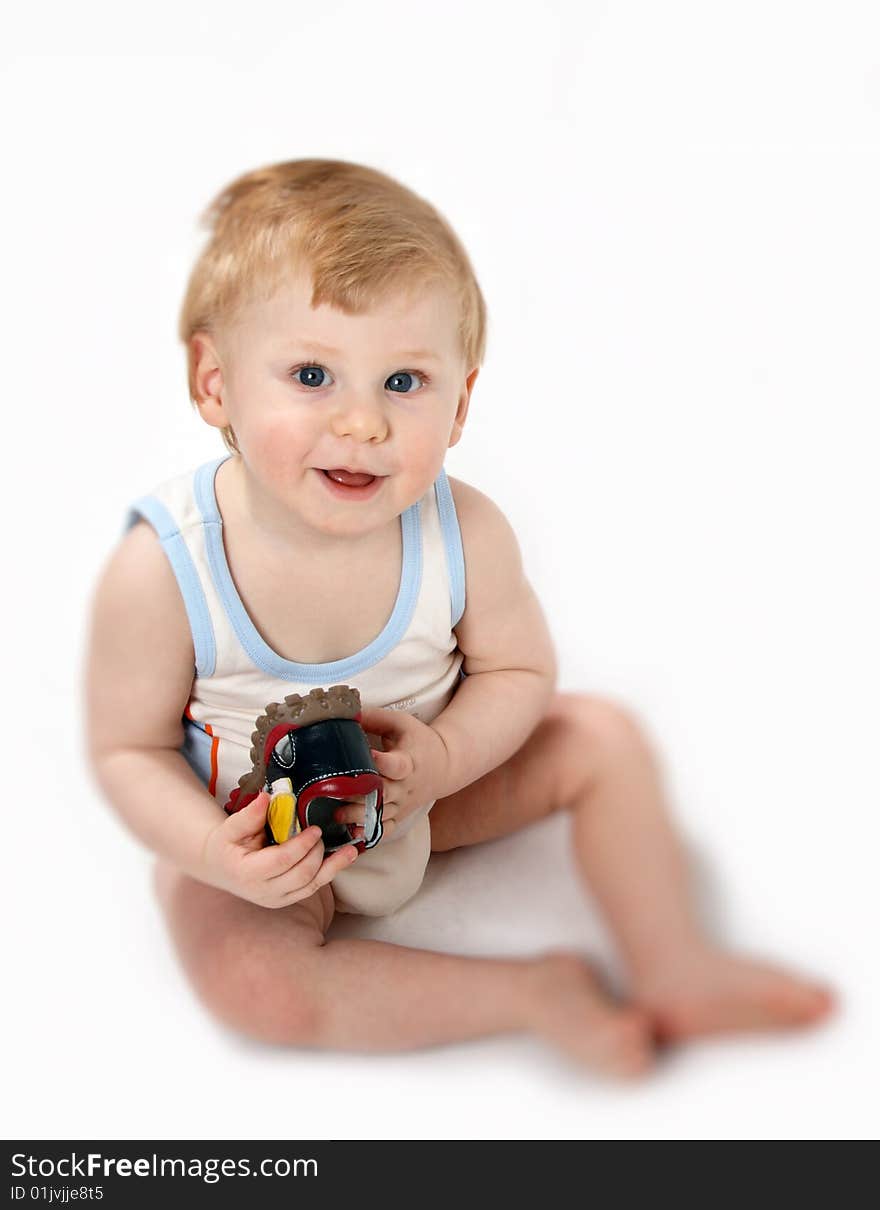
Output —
(363, 419)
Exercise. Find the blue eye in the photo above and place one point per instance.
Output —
(317, 376)
(404, 382)
(405, 378)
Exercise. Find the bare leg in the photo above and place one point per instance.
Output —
(632, 859)
(589, 757)
(271, 975)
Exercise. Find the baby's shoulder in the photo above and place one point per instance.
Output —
(137, 594)
(479, 517)
(140, 661)
(488, 540)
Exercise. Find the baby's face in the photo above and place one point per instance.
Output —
(308, 390)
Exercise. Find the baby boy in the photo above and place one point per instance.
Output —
(334, 330)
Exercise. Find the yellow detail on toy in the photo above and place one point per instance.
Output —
(281, 816)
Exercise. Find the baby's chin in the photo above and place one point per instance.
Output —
(334, 512)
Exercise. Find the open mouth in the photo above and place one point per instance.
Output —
(350, 478)
(350, 484)
(322, 811)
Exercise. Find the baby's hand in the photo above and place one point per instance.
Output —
(414, 765)
(273, 876)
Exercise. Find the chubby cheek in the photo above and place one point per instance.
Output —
(426, 452)
(277, 450)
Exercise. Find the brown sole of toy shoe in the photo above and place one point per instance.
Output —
(339, 701)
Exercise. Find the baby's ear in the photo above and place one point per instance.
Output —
(206, 380)
(463, 405)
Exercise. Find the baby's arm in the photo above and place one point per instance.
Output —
(140, 671)
(509, 656)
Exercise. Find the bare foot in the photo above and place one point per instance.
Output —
(575, 1014)
(710, 991)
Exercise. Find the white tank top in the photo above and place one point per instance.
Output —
(413, 664)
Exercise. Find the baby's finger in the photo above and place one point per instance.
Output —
(249, 821)
(350, 813)
(299, 875)
(393, 765)
(329, 868)
(275, 860)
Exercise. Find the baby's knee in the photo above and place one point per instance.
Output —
(265, 997)
(600, 725)
(254, 969)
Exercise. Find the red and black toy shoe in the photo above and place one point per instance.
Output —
(316, 742)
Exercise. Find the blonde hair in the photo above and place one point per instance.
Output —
(361, 234)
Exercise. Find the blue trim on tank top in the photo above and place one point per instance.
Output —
(255, 646)
(155, 512)
(452, 543)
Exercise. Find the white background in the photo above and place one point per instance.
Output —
(672, 209)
